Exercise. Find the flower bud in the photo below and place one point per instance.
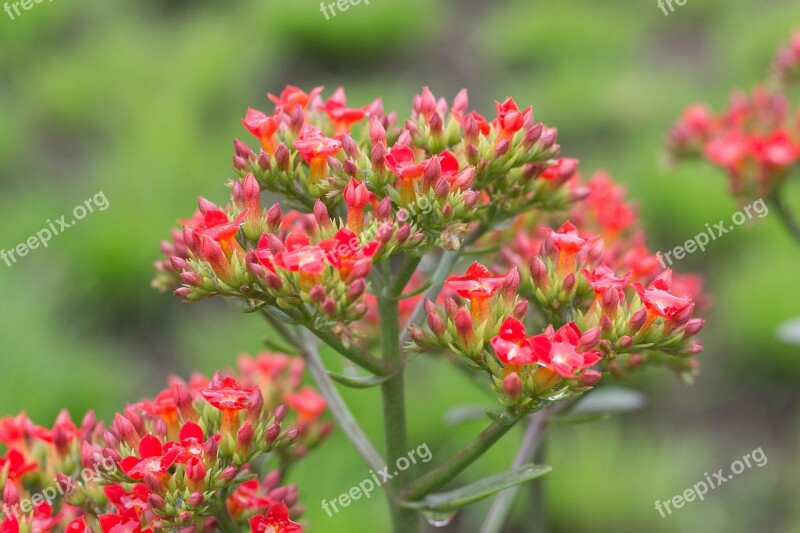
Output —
(538, 272)
(637, 320)
(279, 413)
(283, 158)
(502, 148)
(349, 147)
(589, 339)
(229, 474)
(195, 499)
(242, 149)
(589, 378)
(625, 342)
(244, 437)
(569, 282)
(384, 209)
(272, 432)
(436, 324)
(693, 327)
(377, 133)
(264, 161)
(274, 216)
(156, 501)
(356, 289)
(512, 385)
(255, 404)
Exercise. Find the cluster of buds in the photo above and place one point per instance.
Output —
(367, 189)
(756, 140)
(466, 326)
(182, 461)
(608, 305)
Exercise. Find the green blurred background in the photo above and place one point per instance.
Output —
(140, 100)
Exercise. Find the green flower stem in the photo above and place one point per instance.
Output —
(786, 216)
(357, 355)
(404, 275)
(226, 523)
(344, 417)
(504, 501)
(394, 413)
(443, 269)
(457, 463)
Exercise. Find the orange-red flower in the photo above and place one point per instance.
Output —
(276, 520)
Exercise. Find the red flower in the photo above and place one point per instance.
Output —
(276, 520)
(14, 461)
(602, 278)
(401, 161)
(127, 521)
(778, 151)
(292, 97)
(477, 285)
(356, 196)
(247, 497)
(301, 256)
(569, 243)
(153, 459)
(729, 151)
(559, 351)
(510, 119)
(308, 403)
(77, 526)
(135, 499)
(227, 394)
(341, 115)
(658, 300)
(512, 346)
(344, 252)
(315, 148)
(263, 127)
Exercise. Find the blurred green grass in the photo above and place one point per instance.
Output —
(140, 101)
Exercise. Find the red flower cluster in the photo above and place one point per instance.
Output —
(756, 140)
(171, 463)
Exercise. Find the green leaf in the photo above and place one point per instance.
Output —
(469, 494)
(361, 382)
(610, 400)
(503, 418)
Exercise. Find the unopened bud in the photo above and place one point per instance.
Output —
(512, 385)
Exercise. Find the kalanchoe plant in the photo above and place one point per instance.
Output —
(207, 455)
(329, 221)
(756, 140)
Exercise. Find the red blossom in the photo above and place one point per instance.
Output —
(153, 459)
(227, 394)
(263, 127)
(559, 351)
(658, 299)
(127, 521)
(513, 346)
(402, 162)
(301, 256)
(477, 282)
(292, 97)
(276, 520)
(341, 115)
(308, 403)
(510, 119)
(344, 252)
(314, 146)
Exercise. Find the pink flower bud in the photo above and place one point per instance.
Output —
(637, 320)
(512, 385)
(502, 148)
(538, 272)
(625, 342)
(693, 327)
(569, 282)
(283, 158)
(378, 155)
(436, 324)
(243, 150)
(589, 339)
(238, 163)
(274, 216)
(451, 307)
(229, 474)
(272, 432)
(156, 501)
(317, 293)
(195, 499)
(356, 289)
(464, 326)
(610, 300)
(349, 146)
(384, 209)
(442, 189)
(510, 284)
(521, 309)
(605, 324)
(245, 436)
(377, 133)
(279, 413)
(589, 378)
(264, 161)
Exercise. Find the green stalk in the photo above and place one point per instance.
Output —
(394, 414)
(786, 216)
(456, 463)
